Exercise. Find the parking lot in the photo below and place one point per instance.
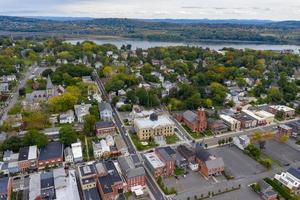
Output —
(237, 162)
(281, 152)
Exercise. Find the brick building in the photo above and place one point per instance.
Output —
(154, 164)
(51, 155)
(196, 122)
(104, 128)
(27, 158)
(168, 156)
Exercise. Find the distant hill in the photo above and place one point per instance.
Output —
(285, 24)
(211, 21)
(54, 18)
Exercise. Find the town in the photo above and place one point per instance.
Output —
(87, 121)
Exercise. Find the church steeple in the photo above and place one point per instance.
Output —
(49, 87)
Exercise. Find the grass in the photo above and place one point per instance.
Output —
(171, 139)
(198, 135)
(138, 144)
(178, 171)
(282, 191)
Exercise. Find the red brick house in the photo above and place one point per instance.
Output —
(196, 122)
(168, 156)
(104, 128)
(51, 155)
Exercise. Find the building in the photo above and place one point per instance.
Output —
(195, 122)
(153, 126)
(187, 153)
(133, 174)
(246, 120)
(105, 111)
(260, 121)
(241, 141)
(269, 117)
(217, 126)
(77, 152)
(121, 146)
(105, 128)
(51, 155)
(4, 86)
(67, 117)
(68, 155)
(233, 124)
(87, 176)
(27, 158)
(101, 149)
(208, 164)
(288, 112)
(81, 111)
(154, 164)
(91, 194)
(52, 133)
(290, 179)
(65, 184)
(284, 130)
(47, 185)
(5, 188)
(168, 156)
(109, 182)
(266, 191)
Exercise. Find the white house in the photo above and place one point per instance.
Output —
(290, 179)
(105, 111)
(81, 111)
(110, 140)
(68, 155)
(241, 141)
(67, 117)
(100, 148)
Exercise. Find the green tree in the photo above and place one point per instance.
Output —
(67, 135)
(89, 125)
(274, 95)
(34, 137)
(107, 71)
(13, 143)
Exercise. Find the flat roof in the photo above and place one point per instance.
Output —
(252, 114)
(91, 194)
(263, 113)
(229, 119)
(154, 160)
(110, 179)
(162, 120)
(282, 107)
(76, 150)
(51, 150)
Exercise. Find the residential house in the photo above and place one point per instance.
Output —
(266, 191)
(121, 145)
(105, 111)
(155, 165)
(28, 158)
(105, 128)
(52, 133)
(154, 126)
(81, 111)
(4, 86)
(51, 155)
(195, 122)
(290, 179)
(208, 164)
(100, 149)
(67, 117)
(133, 174)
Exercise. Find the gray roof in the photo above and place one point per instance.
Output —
(190, 116)
(104, 106)
(215, 163)
(294, 172)
(49, 83)
(3, 184)
(128, 167)
(201, 153)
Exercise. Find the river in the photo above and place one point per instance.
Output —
(216, 46)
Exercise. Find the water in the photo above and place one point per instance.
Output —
(216, 46)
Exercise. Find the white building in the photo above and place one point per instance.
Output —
(67, 117)
(77, 151)
(110, 140)
(68, 155)
(81, 111)
(105, 111)
(100, 149)
(269, 117)
(233, 124)
(290, 179)
(241, 141)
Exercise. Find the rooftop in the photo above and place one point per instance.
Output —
(128, 167)
(112, 177)
(76, 150)
(3, 184)
(143, 123)
(229, 119)
(91, 194)
(104, 124)
(282, 107)
(51, 150)
(294, 172)
(154, 160)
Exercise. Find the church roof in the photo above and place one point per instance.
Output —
(49, 83)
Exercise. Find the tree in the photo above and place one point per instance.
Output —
(22, 91)
(107, 71)
(274, 95)
(47, 72)
(280, 115)
(284, 138)
(13, 143)
(67, 135)
(34, 137)
(89, 125)
(35, 120)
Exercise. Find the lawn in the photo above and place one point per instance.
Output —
(197, 135)
(178, 171)
(138, 144)
(172, 139)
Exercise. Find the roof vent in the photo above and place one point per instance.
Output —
(153, 117)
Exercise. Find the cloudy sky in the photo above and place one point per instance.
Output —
(192, 9)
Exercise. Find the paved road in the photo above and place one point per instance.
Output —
(158, 195)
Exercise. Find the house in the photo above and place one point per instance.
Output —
(181, 162)
(154, 126)
(233, 124)
(105, 128)
(105, 111)
(52, 133)
(208, 164)
(121, 146)
(51, 155)
(290, 179)
(195, 122)
(7, 155)
(87, 79)
(68, 155)
(241, 141)
(77, 152)
(91, 194)
(217, 126)
(187, 153)
(110, 181)
(67, 117)
(288, 112)
(87, 176)
(5, 188)
(101, 149)
(133, 174)
(168, 156)
(155, 165)
(4, 86)
(28, 158)
(81, 111)
(266, 191)
(110, 140)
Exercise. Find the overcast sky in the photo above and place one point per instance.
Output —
(197, 9)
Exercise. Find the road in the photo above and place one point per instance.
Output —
(156, 192)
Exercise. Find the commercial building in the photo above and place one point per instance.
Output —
(51, 155)
(290, 179)
(187, 153)
(153, 126)
(196, 122)
(246, 120)
(288, 112)
(154, 164)
(104, 128)
(87, 176)
(168, 156)
(233, 124)
(28, 158)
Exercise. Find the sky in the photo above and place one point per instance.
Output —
(156, 9)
